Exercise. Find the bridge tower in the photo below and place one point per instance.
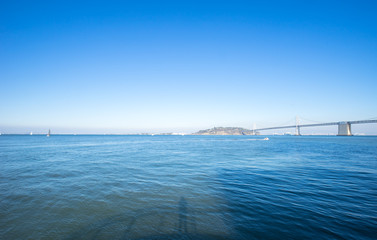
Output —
(298, 133)
(344, 129)
(253, 130)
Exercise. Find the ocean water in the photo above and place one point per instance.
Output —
(188, 187)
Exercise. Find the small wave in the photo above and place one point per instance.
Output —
(257, 139)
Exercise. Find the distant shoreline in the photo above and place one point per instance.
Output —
(167, 134)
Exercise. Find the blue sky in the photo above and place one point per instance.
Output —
(155, 66)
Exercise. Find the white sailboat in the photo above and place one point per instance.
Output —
(49, 133)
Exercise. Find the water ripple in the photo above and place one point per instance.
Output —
(191, 187)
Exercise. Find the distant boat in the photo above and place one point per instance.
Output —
(31, 133)
(49, 133)
(266, 139)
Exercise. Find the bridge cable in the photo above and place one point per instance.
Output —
(290, 122)
(374, 118)
(310, 120)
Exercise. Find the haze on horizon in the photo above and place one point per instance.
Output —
(182, 66)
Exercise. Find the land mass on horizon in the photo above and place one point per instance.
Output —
(225, 131)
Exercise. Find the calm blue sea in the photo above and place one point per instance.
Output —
(188, 187)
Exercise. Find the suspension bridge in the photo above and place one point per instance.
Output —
(344, 127)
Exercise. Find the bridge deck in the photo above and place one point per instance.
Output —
(318, 124)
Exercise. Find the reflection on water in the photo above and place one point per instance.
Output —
(182, 216)
(149, 223)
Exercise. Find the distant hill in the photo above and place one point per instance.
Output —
(225, 131)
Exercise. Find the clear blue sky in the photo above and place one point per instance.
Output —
(142, 66)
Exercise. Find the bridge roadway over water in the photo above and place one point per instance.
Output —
(344, 127)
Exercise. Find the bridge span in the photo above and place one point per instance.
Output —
(344, 127)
